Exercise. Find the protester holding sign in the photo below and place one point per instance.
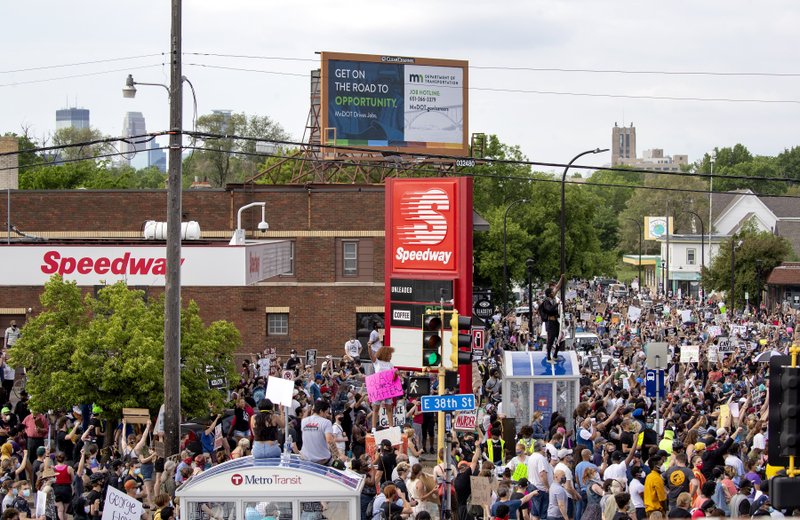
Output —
(383, 364)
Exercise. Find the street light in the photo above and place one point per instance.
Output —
(563, 218)
(734, 244)
(702, 250)
(663, 282)
(641, 235)
(238, 238)
(505, 255)
(172, 284)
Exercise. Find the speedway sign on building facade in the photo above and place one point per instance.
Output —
(143, 265)
(393, 102)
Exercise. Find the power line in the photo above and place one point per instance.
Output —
(206, 135)
(86, 74)
(76, 64)
(545, 92)
(202, 135)
(497, 176)
(542, 69)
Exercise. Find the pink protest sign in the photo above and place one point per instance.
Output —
(384, 385)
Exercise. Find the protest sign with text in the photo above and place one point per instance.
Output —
(384, 385)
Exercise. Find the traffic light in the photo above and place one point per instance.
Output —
(779, 397)
(431, 340)
(790, 411)
(461, 351)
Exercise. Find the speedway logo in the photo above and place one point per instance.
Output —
(424, 226)
(126, 264)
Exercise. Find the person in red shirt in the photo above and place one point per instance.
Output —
(36, 430)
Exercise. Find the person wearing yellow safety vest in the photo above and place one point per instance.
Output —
(666, 445)
(495, 450)
(519, 464)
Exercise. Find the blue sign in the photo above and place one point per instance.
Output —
(448, 403)
(650, 383)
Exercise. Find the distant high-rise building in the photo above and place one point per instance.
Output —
(72, 118)
(156, 157)
(226, 118)
(623, 153)
(133, 125)
(623, 144)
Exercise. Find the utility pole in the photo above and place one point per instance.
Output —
(172, 303)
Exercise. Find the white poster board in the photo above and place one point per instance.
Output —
(634, 313)
(120, 506)
(279, 390)
(394, 435)
(690, 353)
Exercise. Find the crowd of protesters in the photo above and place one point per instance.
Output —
(608, 459)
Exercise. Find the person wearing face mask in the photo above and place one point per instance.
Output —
(22, 493)
(557, 503)
(636, 490)
(293, 363)
(519, 464)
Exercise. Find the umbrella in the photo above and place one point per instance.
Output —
(765, 356)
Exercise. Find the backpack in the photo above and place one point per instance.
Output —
(370, 512)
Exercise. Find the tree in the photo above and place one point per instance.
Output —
(769, 249)
(78, 136)
(650, 200)
(27, 149)
(226, 159)
(614, 200)
(109, 350)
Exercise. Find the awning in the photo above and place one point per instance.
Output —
(478, 222)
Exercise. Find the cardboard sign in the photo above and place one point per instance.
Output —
(713, 353)
(738, 330)
(586, 316)
(595, 364)
(686, 316)
(120, 506)
(725, 344)
(724, 420)
(466, 421)
(218, 437)
(394, 435)
(41, 504)
(136, 415)
(311, 357)
(481, 490)
(634, 313)
(158, 447)
(400, 413)
(279, 391)
(384, 385)
(690, 353)
(159, 427)
(714, 331)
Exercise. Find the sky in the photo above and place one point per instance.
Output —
(535, 109)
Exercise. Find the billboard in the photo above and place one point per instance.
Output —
(395, 103)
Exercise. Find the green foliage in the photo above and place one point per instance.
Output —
(90, 174)
(648, 202)
(109, 350)
(231, 159)
(770, 249)
(27, 149)
(70, 135)
(533, 227)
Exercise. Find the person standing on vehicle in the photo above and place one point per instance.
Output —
(548, 311)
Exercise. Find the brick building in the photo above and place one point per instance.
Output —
(337, 260)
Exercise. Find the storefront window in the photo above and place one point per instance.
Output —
(211, 511)
(324, 509)
(267, 510)
(519, 405)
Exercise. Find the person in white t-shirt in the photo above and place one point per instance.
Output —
(618, 470)
(759, 439)
(636, 490)
(12, 335)
(374, 342)
(540, 474)
(263, 366)
(353, 347)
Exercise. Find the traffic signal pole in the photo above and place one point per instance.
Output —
(440, 375)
